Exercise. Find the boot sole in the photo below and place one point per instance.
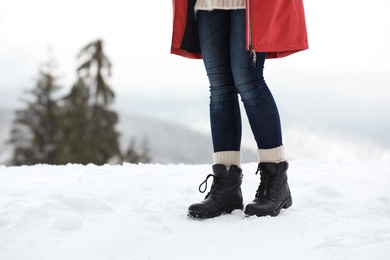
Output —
(285, 204)
(202, 215)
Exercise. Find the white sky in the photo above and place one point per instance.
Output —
(346, 72)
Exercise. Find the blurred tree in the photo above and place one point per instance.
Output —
(95, 66)
(145, 152)
(78, 128)
(77, 134)
(102, 137)
(133, 156)
(36, 129)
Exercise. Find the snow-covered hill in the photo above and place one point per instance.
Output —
(341, 210)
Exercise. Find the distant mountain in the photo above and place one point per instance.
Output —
(173, 143)
(309, 142)
(170, 142)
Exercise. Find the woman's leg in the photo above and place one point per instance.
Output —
(258, 101)
(225, 193)
(273, 193)
(225, 119)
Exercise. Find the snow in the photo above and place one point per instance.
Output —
(341, 210)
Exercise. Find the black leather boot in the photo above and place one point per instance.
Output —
(273, 193)
(224, 196)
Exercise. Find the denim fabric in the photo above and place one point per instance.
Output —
(231, 74)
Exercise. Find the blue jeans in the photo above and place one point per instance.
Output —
(231, 73)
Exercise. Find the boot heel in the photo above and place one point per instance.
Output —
(287, 203)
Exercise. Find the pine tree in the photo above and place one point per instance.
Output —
(77, 137)
(145, 152)
(134, 156)
(78, 128)
(36, 130)
(95, 67)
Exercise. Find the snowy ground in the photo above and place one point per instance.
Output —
(341, 210)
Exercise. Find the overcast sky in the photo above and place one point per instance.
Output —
(344, 76)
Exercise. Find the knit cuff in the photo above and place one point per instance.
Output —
(227, 158)
(274, 155)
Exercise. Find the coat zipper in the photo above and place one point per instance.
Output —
(249, 32)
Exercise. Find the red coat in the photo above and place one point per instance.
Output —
(277, 27)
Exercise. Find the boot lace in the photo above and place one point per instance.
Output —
(262, 190)
(214, 187)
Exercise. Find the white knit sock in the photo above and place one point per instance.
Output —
(227, 158)
(275, 155)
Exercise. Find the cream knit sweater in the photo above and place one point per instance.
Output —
(219, 4)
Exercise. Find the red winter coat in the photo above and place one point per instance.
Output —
(277, 27)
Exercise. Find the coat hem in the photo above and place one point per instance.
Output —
(186, 54)
(280, 51)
